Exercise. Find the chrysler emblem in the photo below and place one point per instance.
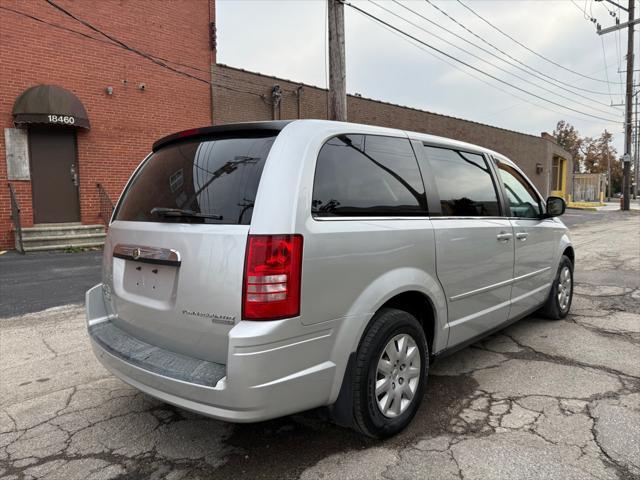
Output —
(136, 253)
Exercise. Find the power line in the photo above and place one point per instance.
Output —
(472, 67)
(146, 55)
(582, 10)
(534, 72)
(611, 12)
(606, 70)
(482, 39)
(604, 55)
(108, 42)
(606, 112)
(619, 53)
(154, 58)
(491, 85)
(527, 48)
(457, 67)
(158, 61)
(124, 45)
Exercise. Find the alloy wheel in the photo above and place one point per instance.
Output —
(564, 288)
(398, 375)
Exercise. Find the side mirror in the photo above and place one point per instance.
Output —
(555, 206)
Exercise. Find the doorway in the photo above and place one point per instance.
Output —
(54, 175)
(558, 177)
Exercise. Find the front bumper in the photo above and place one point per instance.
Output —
(273, 368)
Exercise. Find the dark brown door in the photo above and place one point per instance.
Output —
(54, 175)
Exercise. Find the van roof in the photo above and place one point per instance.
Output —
(277, 125)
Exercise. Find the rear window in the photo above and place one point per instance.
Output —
(217, 177)
(359, 175)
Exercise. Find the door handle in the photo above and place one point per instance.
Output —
(522, 236)
(504, 237)
(74, 174)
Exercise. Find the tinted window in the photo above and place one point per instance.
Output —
(464, 183)
(370, 175)
(523, 201)
(216, 176)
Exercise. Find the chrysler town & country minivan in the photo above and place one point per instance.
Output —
(257, 270)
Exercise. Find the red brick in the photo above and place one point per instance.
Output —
(124, 125)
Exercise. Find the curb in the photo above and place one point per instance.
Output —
(592, 209)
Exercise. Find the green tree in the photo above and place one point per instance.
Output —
(569, 139)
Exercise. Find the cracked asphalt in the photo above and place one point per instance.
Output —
(539, 400)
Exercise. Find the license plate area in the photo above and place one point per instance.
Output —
(145, 284)
(145, 279)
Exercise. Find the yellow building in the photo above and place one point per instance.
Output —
(560, 169)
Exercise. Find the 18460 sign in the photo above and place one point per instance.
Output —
(63, 119)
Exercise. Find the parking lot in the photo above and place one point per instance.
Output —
(541, 399)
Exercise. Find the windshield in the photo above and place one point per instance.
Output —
(217, 178)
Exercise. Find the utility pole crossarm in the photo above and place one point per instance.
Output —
(620, 26)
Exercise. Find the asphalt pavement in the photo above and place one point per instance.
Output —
(574, 217)
(36, 281)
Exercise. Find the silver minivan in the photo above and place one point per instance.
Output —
(260, 269)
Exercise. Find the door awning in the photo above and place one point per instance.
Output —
(51, 105)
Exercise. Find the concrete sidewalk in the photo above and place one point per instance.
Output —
(613, 206)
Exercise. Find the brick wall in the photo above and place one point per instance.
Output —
(242, 96)
(123, 125)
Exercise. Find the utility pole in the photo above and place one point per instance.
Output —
(626, 179)
(609, 182)
(337, 72)
(636, 155)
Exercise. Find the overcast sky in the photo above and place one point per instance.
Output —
(287, 39)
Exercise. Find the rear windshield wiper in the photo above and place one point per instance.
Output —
(179, 212)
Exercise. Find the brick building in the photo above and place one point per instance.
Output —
(129, 100)
(84, 98)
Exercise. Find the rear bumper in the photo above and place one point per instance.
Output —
(273, 368)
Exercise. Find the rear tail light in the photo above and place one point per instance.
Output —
(272, 274)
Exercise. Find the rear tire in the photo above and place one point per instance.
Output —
(561, 294)
(390, 373)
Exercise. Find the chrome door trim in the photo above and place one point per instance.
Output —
(531, 274)
(143, 253)
(481, 290)
(498, 285)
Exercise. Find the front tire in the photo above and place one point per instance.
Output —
(561, 294)
(390, 373)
